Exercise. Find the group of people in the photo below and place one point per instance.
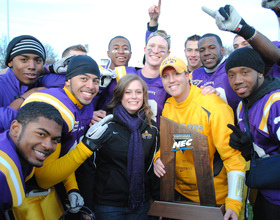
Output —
(77, 134)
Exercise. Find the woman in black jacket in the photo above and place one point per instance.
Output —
(119, 182)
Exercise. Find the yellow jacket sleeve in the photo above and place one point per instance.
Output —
(55, 169)
(70, 183)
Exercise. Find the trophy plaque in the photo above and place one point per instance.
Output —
(170, 208)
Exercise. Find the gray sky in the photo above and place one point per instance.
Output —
(62, 23)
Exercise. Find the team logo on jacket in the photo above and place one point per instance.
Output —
(182, 142)
(146, 135)
(76, 126)
(196, 82)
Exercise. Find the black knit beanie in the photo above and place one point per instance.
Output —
(24, 44)
(82, 64)
(245, 56)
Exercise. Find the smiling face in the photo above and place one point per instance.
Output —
(132, 99)
(83, 87)
(26, 67)
(35, 141)
(119, 52)
(176, 84)
(244, 81)
(192, 55)
(156, 51)
(211, 52)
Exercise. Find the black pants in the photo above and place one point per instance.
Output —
(264, 210)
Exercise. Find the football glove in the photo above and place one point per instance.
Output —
(96, 135)
(228, 19)
(239, 140)
(60, 66)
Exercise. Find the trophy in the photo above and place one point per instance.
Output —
(174, 135)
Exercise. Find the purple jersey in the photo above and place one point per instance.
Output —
(11, 87)
(218, 80)
(275, 69)
(52, 81)
(76, 117)
(12, 174)
(264, 125)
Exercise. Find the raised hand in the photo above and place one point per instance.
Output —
(154, 13)
(228, 19)
(274, 5)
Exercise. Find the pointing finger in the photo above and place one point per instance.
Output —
(159, 3)
(208, 11)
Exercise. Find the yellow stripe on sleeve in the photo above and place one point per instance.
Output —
(66, 114)
(238, 110)
(273, 98)
(101, 68)
(10, 170)
(120, 71)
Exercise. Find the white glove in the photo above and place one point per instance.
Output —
(228, 19)
(76, 202)
(273, 5)
(60, 66)
(95, 135)
(106, 76)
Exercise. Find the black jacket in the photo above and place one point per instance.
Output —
(102, 179)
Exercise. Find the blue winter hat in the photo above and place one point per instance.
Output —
(24, 44)
(82, 64)
(245, 56)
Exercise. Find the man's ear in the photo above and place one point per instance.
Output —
(168, 53)
(10, 64)
(223, 50)
(67, 83)
(15, 129)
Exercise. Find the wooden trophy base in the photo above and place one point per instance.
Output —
(186, 211)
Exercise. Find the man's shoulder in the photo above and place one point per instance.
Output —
(51, 96)
(51, 91)
(7, 151)
(3, 71)
(212, 102)
(272, 98)
(4, 75)
(198, 71)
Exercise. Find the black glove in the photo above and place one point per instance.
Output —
(239, 140)
(96, 135)
(228, 19)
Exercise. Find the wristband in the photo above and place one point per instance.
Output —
(252, 38)
(236, 181)
(247, 31)
(17, 97)
(152, 28)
